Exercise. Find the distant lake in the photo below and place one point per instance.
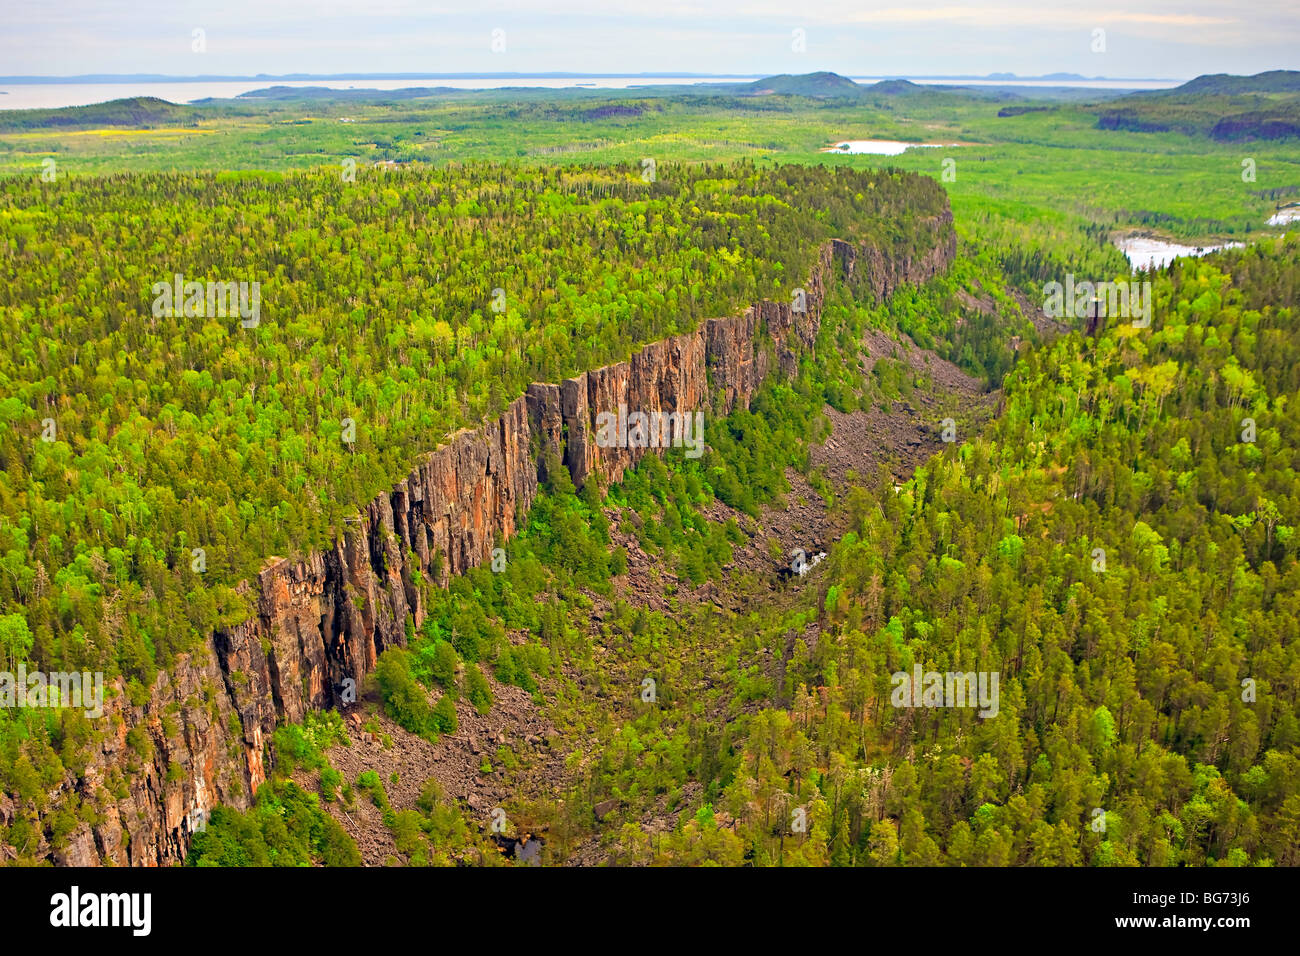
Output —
(878, 147)
(1099, 84)
(26, 96)
(1145, 252)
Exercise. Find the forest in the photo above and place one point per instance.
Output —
(1115, 538)
(1121, 547)
(130, 442)
(1117, 545)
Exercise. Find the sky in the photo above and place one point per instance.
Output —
(1175, 39)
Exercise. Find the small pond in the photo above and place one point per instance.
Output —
(878, 147)
(1146, 252)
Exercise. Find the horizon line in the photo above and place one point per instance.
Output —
(550, 74)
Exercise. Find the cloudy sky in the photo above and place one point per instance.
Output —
(1142, 38)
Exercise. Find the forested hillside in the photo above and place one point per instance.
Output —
(399, 306)
(1121, 548)
(1118, 547)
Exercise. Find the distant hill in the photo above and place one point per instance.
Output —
(1274, 81)
(137, 112)
(819, 85)
(834, 86)
(1221, 107)
(895, 87)
(300, 93)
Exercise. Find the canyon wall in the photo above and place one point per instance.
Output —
(322, 621)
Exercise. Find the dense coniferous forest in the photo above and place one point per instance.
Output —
(1121, 547)
(131, 439)
(1113, 546)
(1112, 531)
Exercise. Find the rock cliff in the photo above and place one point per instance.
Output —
(323, 620)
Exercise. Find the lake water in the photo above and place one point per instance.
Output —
(1145, 252)
(1084, 84)
(26, 96)
(878, 147)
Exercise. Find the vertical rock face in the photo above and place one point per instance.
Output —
(735, 367)
(885, 271)
(578, 451)
(546, 426)
(465, 494)
(326, 619)
(322, 620)
(186, 723)
(665, 377)
(712, 370)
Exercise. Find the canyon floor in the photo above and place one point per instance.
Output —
(900, 437)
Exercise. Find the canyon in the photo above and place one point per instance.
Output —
(323, 619)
